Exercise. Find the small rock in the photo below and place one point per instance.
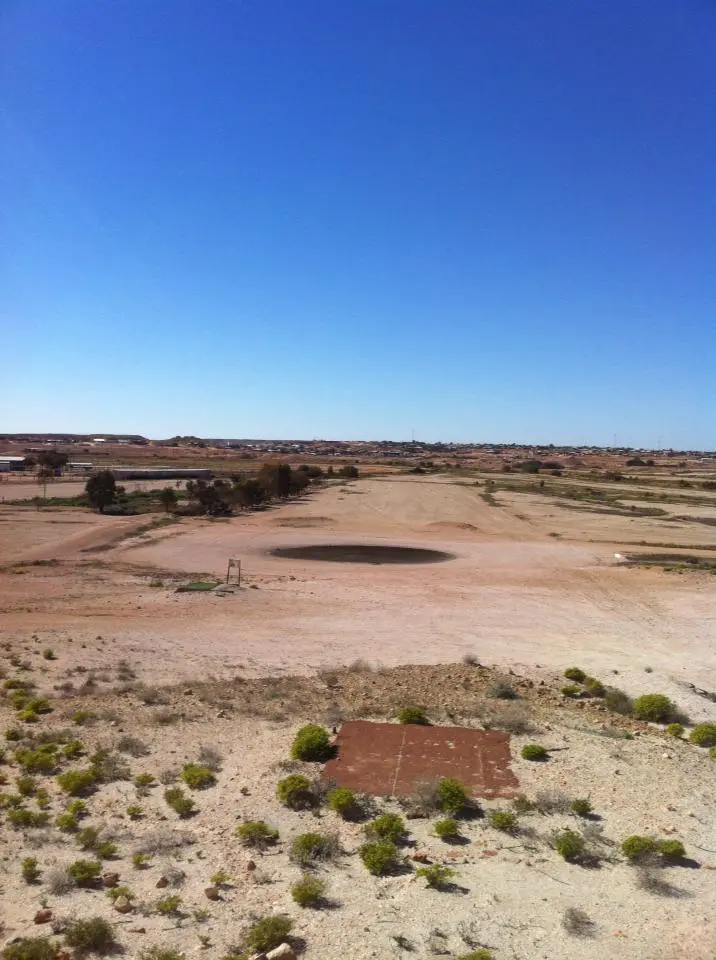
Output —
(43, 916)
(188, 692)
(250, 866)
(137, 929)
(123, 905)
(283, 952)
(110, 880)
(161, 883)
(212, 893)
(666, 756)
(420, 857)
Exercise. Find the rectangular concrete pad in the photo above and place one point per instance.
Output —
(389, 759)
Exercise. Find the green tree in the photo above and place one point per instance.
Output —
(101, 489)
(168, 499)
(54, 460)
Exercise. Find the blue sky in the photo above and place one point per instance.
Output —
(472, 219)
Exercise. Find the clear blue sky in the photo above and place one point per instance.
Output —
(474, 219)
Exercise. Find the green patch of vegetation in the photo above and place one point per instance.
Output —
(704, 735)
(180, 802)
(569, 844)
(534, 751)
(31, 948)
(389, 826)
(636, 848)
(135, 812)
(114, 893)
(85, 873)
(21, 819)
(26, 786)
(311, 743)
(452, 796)
(571, 690)
(413, 715)
(436, 875)
(160, 953)
(581, 806)
(380, 857)
(504, 820)
(141, 860)
(295, 791)
(197, 776)
(309, 848)
(94, 935)
(77, 783)
(594, 687)
(672, 849)
(308, 891)
(30, 870)
(268, 933)
(656, 707)
(344, 802)
(447, 829)
(257, 834)
(479, 954)
(618, 701)
(675, 730)
(168, 905)
(144, 780)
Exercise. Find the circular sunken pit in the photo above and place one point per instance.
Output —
(361, 553)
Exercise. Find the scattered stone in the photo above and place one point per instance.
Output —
(283, 952)
(420, 857)
(250, 866)
(137, 929)
(123, 905)
(212, 893)
(161, 883)
(110, 880)
(43, 916)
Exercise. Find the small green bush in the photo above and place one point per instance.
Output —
(160, 953)
(436, 875)
(257, 834)
(12, 734)
(197, 776)
(31, 948)
(447, 829)
(26, 786)
(594, 688)
(574, 673)
(308, 891)
(81, 717)
(77, 783)
(49, 654)
(503, 691)
(39, 705)
(294, 791)
(504, 820)
(672, 849)
(389, 826)
(42, 798)
(85, 872)
(380, 857)
(533, 751)
(311, 743)
(30, 870)
(87, 838)
(94, 935)
(618, 702)
(114, 893)
(653, 706)
(581, 806)
(568, 843)
(135, 812)
(413, 715)
(571, 690)
(637, 847)
(43, 760)
(480, 954)
(453, 796)
(308, 848)
(704, 735)
(675, 730)
(712, 753)
(21, 819)
(144, 780)
(105, 849)
(168, 905)
(268, 933)
(179, 802)
(140, 860)
(73, 749)
(66, 822)
(344, 802)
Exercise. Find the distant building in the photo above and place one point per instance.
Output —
(10, 464)
(75, 466)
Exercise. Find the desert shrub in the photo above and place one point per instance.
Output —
(577, 922)
(49, 654)
(594, 687)
(712, 753)
(389, 826)
(447, 829)
(311, 743)
(30, 870)
(704, 735)
(73, 749)
(295, 791)
(574, 673)
(179, 802)
(470, 660)
(39, 705)
(105, 849)
(344, 802)
(504, 820)
(571, 690)
(257, 834)
(480, 954)
(58, 882)
(308, 848)
(672, 849)
(268, 933)
(42, 760)
(503, 691)
(675, 729)
(210, 757)
(653, 706)
(511, 717)
(31, 948)
(81, 717)
(380, 857)
(26, 786)
(618, 702)
(412, 715)
(114, 893)
(66, 822)
(135, 812)
(12, 734)
(77, 783)
(21, 819)
(308, 891)
(168, 905)
(85, 872)
(637, 848)
(160, 953)
(581, 806)
(436, 875)
(42, 798)
(568, 843)
(108, 767)
(453, 796)
(197, 776)
(94, 935)
(522, 804)
(533, 751)
(140, 860)
(144, 780)
(220, 879)
(132, 746)
(552, 801)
